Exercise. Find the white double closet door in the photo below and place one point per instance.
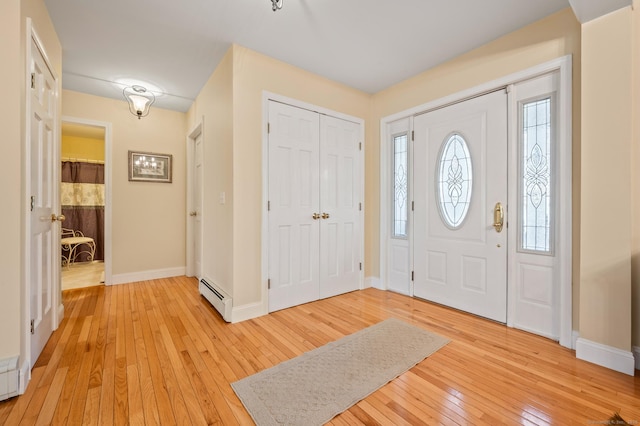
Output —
(314, 203)
(460, 180)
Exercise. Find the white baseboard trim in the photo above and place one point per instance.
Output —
(154, 274)
(24, 376)
(60, 315)
(636, 355)
(575, 335)
(373, 282)
(605, 356)
(247, 312)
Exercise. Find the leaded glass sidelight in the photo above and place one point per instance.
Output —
(535, 187)
(454, 180)
(400, 179)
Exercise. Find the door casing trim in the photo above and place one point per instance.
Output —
(563, 65)
(58, 308)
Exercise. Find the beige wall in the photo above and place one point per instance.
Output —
(78, 147)
(635, 180)
(10, 171)
(605, 264)
(231, 104)
(550, 38)
(148, 218)
(215, 104)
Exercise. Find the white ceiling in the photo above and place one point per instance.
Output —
(172, 47)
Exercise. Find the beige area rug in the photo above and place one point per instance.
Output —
(316, 386)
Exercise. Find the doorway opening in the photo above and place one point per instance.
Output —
(84, 204)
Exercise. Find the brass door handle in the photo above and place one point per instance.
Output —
(194, 213)
(325, 215)
(498, 217)
(316, 216)
(58, 218)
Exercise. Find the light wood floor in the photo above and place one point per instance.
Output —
(156, 353)
(82, 274)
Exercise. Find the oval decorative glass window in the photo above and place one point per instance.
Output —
(454, 180)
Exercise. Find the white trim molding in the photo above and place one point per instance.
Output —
(374, 282)
(24, 376)
(248, 311)
(108, 187)
(154, 274)
(605, 356)
(562, 65)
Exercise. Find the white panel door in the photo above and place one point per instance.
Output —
(196, 213)
(459, 257)
(45, 239)
(294, 206)
(340, 206)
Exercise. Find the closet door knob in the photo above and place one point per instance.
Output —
(55, 217)
(325, 215)
(316, 216)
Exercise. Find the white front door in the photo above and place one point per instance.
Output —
(294, 206)
(340, 205)
(44, 271)
(460, 177)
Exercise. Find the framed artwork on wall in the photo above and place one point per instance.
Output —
(149, 167)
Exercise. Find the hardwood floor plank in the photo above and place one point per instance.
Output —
(155, 352)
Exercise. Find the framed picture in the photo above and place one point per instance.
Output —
(149, 167)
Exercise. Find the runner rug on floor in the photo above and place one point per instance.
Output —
(316, 386)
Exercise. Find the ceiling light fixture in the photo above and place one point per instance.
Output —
(276, 4)
(139, 99)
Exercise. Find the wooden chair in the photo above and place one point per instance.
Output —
(74, 243)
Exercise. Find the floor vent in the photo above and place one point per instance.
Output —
(217, 297)
(8, 378)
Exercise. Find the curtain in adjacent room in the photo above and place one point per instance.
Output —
(82, 200)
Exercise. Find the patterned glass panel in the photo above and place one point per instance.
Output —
(400, 175)
(454, 181)
(535, 190)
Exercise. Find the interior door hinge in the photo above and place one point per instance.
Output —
(33, 202)
(268, 206)
(268, 128)
(413, 205)
(360, 206)
(360, 146)
(33, 80)
(33, 327)
(269, 284)
(413, 135)
(361, 266)
(411, 275)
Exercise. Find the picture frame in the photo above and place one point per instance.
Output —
(150, 167)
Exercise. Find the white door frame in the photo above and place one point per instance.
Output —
(266, 98)
(564, 235)
(198, 130)
(108, 188)
(58, 310)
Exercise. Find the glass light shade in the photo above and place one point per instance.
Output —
(139, 99)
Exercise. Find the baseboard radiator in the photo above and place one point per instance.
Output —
(217, 297)
(8, 378)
